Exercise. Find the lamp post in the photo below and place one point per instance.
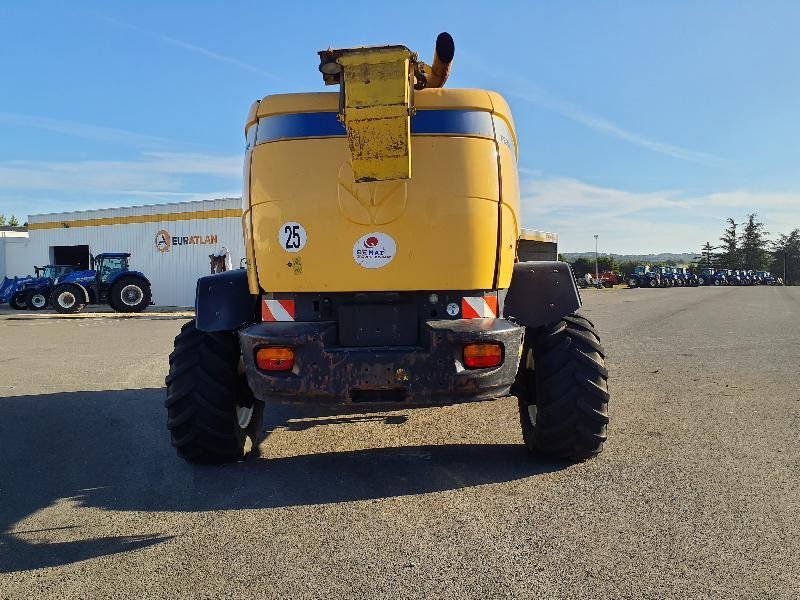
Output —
(596, 269)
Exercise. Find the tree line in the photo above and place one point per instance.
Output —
(748, 246)
(11, 222)
(744, 245)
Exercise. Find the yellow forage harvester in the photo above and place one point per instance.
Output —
(382, 227)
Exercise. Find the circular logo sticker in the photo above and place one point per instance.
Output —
(163, 241)
(292, 236)
(374, 250)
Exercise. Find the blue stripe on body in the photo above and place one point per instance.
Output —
(453, 122)
(325, 124)
(299, 125)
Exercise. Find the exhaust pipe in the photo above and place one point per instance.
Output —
(438, 72)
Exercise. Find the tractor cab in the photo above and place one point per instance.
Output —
(107, 265)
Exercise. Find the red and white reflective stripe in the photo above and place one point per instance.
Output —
(277, 310)
(479, 307)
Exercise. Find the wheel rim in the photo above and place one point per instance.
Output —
(38, 301)
(66, 299)
(131, 295)
(244, 414)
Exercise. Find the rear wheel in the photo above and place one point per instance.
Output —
(17, 301)
(35, 300)
(633, 282)
(68, 298)
(211, 412)
(130, 294)
(562, 388)
(653, 283)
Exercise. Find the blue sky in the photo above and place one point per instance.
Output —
(646, 123)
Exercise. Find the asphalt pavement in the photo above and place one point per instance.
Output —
(695, 496)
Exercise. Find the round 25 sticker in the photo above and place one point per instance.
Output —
(374, 250)
(292, 236)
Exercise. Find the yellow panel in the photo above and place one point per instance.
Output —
(432, 98)
(510, 225)
(444, 228)
(376, 113)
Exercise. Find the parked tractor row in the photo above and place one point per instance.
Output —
(109, 281)
(661, 277)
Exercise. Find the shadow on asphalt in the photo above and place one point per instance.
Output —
(110, 450)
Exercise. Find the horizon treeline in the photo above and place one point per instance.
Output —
(747, 245)
(744, 245)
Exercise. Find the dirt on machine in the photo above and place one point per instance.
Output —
(381, 227)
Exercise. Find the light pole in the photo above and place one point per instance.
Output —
(596, 269)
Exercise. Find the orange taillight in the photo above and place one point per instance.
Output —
(275, 358)
(480, 356)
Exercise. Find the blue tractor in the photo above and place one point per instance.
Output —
(687, 279)
(110, 281)
(723, 277)
(10, 286)
(642, 276)
(674, 277)
(35, 292)
(767, 278)
(706, 277)
(665, 277)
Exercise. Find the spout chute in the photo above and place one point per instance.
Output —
(437, 74)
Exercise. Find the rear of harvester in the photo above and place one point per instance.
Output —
(380, 224)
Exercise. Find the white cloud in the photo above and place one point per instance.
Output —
(536, 95)
(155, 172)
(632, 222)
(191, 47)
(30, 187)
(84, 130)
(522, 88)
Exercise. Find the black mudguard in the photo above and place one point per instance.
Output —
(541, 292)
(223, 302)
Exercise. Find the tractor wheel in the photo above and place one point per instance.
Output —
(67, 298)
(130, 294)
(653, 283)
(562, 388)
(17, 301)
(633, 282)
(211, 412)
(717, 282)
(35, 300)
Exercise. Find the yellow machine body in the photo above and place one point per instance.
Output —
(453, 224)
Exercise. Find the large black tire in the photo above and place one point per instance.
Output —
(68, 298)
(35, 299)
(653, 283)
(17, 301)
(634, 282)
(130, 294)
(207, 393)
(562, 388)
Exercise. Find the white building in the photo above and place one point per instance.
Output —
(169, 243)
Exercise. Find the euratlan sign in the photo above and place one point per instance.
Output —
(165, 241)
